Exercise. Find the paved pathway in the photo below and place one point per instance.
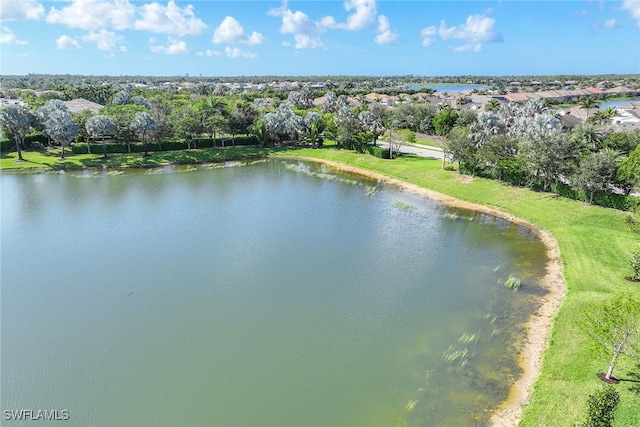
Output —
(418, 150)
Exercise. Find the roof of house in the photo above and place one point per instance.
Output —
(80, 104)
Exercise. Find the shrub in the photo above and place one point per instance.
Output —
(602, 406)
(36, 145)
(382, 153)
(634, 262)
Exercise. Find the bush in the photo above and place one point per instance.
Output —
(634, 263)
(36, 145)
(382, 153)
(602, 407)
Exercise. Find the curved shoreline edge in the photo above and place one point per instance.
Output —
(538, 328)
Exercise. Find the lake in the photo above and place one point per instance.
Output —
(274, 293)
(451, 87)
(617, 103)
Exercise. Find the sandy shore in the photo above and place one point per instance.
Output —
(538, 328)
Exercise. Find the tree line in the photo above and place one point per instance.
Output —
(524, 144)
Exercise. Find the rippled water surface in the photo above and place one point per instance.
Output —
(278, 293)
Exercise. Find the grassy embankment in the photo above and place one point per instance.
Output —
(594, 244)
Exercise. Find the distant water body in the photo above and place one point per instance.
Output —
(617, 103)
(451, 88)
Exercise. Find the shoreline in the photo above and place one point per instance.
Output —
(538, 327)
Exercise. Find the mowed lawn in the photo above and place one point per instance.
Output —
(594, 243)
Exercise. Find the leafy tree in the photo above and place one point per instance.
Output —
(145, 126)
(551, 159)
(629, 170)
(624, 142)
(241, 117)
(100, 126)
(498, 156)
(123, 116)
(186, 124)
(17, 120)
(613, 327)
(61, 128)
(445, 120)
(458, 147)
(597, 171)
(80, 118)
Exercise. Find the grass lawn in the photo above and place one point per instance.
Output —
(595, 249)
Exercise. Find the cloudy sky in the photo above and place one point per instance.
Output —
(352, 37)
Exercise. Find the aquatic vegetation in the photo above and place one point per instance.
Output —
(410, 405)
(513, 283)
(469, 338)
(404, 206)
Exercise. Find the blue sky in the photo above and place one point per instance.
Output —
(352, 37)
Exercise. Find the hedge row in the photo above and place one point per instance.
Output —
(9, 144)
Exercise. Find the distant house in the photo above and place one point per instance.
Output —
(80, 104)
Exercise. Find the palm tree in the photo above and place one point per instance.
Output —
(492, 105)
(587, 103)
(101, 125)
(588, 135)
(144, 125)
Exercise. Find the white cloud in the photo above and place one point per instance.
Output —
(231, 32)
(363, 16)
(305, 42)
(386, 34)
(633, 6)
(235, 52)
(105, 40)
(610, 23)
(477, 28)
(427, 35)
(299, 22)
(7, 37)
(170, 19)
(66, 42)
(175, 47)
(15, 10)
(94, 14)
(209, 52)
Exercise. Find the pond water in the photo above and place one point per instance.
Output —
(277, 293)
(617, 103)
(451, 87)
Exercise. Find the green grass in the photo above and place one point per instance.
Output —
(595, 249)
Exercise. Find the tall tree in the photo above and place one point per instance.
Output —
(597, 171)
(187, 124)
(17, 120)
(145, 126)
(61, 127)
(100, 126)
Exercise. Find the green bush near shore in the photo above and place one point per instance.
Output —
(594, 243)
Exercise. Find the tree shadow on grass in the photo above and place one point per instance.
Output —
(633, 378)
